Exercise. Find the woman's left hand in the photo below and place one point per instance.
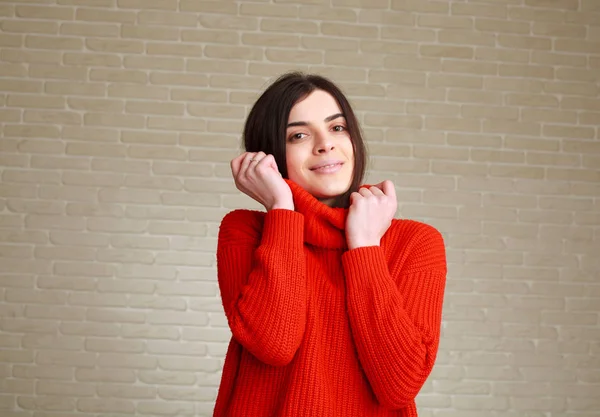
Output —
(371, 212)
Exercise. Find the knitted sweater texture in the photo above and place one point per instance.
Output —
(320, 330)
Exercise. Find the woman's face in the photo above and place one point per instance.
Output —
(319, 152)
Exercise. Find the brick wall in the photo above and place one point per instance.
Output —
(118, 121)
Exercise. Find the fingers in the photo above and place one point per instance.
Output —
(389, 189)
(236, 164)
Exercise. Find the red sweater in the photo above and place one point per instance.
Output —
(320, 330)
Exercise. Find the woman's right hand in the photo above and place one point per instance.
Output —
(256, 175)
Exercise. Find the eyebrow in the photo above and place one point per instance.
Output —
(327, 119)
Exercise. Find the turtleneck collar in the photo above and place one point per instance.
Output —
(324, 226)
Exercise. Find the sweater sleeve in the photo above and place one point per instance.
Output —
(261, 274)
(395, 312)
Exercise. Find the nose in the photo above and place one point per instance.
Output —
(323, 143)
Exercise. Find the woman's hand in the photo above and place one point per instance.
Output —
(370, 215)
(256, 175)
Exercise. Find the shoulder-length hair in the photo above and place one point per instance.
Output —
(266, 125)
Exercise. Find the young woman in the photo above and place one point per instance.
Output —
(334, 306)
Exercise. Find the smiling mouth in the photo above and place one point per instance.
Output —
(330, 168)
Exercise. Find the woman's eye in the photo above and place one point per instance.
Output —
(297, 136)
(339, 128)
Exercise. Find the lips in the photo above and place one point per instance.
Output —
(326, 165)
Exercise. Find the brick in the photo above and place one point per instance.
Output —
(109, 345)
(439, 51)
(289, 26)
(430, 152)
(271, 10)
(452, 80)
(153, 4)
(524, 42)
(215, 66)
(535, 14)
(164, 183)
(375, 119)
(148, 107)
(96, 149)
(549, 58)
(489, 112)
(427, 6)
(100, 15)
(93, 3)
(571, 88)
(90, 29)
(572, 174)
(53, 42)
(210, 36)
(150, 138)
(513, 84)
(408, 34)
(229, 22)
(105, 405)
(166, 408)
(460, 36)
(42, 372)
(495, 54)
(349, 30)
(210, 6)
(301, 57)
(29, 26)
(415, 92)
(568, 132)
(165, 18)
(559, 30)
(516, 171)
(96, 59)
(480, 141)
(445, 22)
(398, 79)
(141, 151)
(372, 46)
(24, 56)
(34, 207)
(577, 46)
(326, 13)
(259, 39)
(497, 156)
(113, 120)
(209, 96)
(479, 97)
(469, 67)
(532, 71)
(138, 91)
(118, 76)
(234, 52)
(170, 123)
(41, 12)
(74, 88)
(557, 4)
(580, 103)
(483, 10)
(52, 117)
(55, 357)
(42, 102)
(452, 124)
(158, 33)
(546, 115)
(532, 100)
(12, 40)
(115, 45)
(502, 26)
(589, 118)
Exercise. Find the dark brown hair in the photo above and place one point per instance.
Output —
(266, 125)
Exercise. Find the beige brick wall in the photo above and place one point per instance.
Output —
(119, 117)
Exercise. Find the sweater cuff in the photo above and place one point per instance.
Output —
(364, 265)
(283, 228)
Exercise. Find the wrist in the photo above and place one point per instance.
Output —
(355, 244)
(283, 206)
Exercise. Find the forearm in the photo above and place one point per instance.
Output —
(396, 341)
(266, 309)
